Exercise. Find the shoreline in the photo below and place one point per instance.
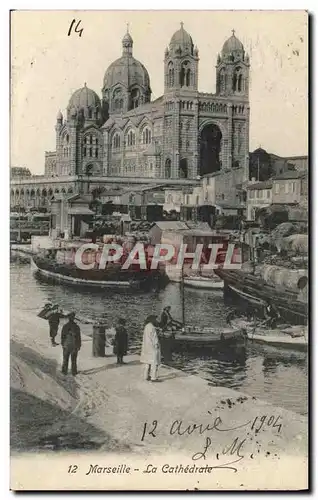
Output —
(102, 412)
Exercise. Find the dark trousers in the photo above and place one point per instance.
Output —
(53, 330)
(66, 356)
(119, 358)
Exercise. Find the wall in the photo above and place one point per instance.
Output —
(286, 191)
(258, 198)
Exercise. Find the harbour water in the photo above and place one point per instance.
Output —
(274, 375)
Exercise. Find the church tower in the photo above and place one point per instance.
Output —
(232, 69)
(126, 82)
(181, 62)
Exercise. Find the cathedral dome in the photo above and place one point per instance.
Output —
(128, 71)
(84, 98)
(181, 38)
(232, 45)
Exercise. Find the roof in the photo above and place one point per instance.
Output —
(232, 44)
(289, 174)
(79, 198)
(199, 232)
(80, 211)
(171, 225)
(203, 226)
(84, 98)
(229, 206)
(261, 185)
(181, 38)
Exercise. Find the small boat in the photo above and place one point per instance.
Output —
(192, 337)
(202, 282)
(286, 336)
(197, 337)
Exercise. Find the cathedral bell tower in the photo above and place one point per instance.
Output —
(181, 62)
(232, 69)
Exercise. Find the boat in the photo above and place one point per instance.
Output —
(258, 292)
(204, 282)
(201, 337)
(192, 337)
(113, 276)
(285, 336)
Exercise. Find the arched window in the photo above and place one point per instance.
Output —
(135, 98)
(90, 113)
(65, 145)
(239, 83)
(185, 75)
(168, 168)
(183, 168)
(118, 101)
(91, 139)
(146, 136)
(222, 81)
(237, 80)
(116, 141)
(170, 75)
(131, 138)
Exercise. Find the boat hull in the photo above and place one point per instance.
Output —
(81, 282)
(191, 340)
(204, 284)
(279, 337)
(253, 290)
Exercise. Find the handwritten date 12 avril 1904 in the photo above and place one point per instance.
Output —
(180, 428)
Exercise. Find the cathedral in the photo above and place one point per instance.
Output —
(184, 134)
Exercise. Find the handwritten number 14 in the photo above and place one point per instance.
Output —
(266, 420)
(76, 30)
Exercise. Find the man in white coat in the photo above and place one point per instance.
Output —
(150, 350)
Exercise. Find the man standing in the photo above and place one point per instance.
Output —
(121, 341)
(150, 350)
(71, 343)
(53, 317)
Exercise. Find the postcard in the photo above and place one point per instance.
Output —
(159, 250)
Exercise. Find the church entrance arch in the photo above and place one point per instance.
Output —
(183, 168)
(210, 148)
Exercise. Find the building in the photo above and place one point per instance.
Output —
(124, 136)
(289, 189)
(20, 173)
(259, 195)
(264, 165)
(299, 162)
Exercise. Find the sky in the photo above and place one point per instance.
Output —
(47, 66)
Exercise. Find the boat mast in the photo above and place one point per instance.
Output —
(182, 296)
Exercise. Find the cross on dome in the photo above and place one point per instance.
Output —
(233, 32)
(181, 24)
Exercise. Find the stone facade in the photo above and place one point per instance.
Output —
(181, 136)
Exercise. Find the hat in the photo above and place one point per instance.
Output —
(72, 315)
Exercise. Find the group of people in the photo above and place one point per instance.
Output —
(150, 351)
